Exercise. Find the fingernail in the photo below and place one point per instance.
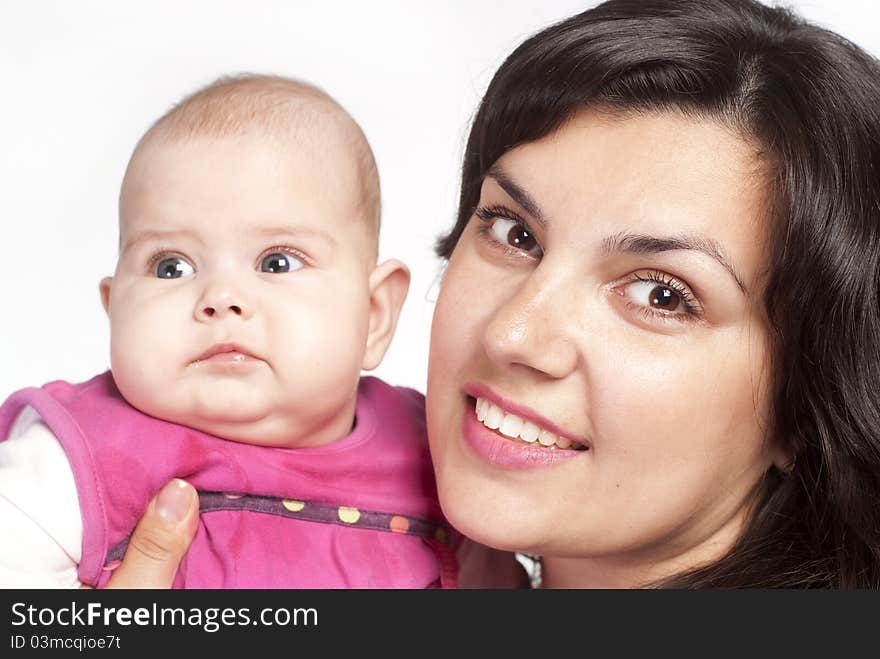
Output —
(173, 502)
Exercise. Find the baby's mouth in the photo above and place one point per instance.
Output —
(517, 429)
(224, 353)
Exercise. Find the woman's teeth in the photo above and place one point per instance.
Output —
(514, 427)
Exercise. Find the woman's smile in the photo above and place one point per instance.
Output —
(515, 420)
(513, 426)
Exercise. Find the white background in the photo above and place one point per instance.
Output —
(82, 80)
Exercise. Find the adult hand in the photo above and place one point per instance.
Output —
(160, 540)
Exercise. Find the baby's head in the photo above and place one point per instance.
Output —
(246, 298)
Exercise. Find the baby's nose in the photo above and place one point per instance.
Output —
(220, 302)
(210, 311)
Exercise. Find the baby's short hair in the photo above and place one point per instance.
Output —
(234, 105)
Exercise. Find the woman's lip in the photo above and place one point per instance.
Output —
(507, 453)
(478, 390)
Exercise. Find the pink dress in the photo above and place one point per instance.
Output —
(361, 512)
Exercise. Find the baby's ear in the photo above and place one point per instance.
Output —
(104, 286)
(389, 283)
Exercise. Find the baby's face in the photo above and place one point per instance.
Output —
(240, 300)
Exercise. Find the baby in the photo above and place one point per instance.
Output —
(245, 303)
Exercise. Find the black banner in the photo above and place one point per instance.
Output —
(141, 622)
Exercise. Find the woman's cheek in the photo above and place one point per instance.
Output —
(642, 395)
(461, 311)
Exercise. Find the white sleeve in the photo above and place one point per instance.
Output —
(40, 517)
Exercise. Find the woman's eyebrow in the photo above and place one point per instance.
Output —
(623, 242)
(645, 244)
(516, 192)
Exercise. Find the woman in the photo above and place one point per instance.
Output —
(655, 352)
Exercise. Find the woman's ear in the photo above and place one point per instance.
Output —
(389, 283)
(104, 286)
(784, 459)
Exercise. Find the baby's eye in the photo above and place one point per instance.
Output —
(279, 262)
(173, 267)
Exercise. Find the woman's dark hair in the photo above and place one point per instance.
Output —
(810, 102)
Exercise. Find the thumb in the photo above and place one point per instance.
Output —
(160, 539)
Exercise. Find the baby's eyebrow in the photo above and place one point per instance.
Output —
(154, 234)
(296, 232)
(645, 244)
(268, 231)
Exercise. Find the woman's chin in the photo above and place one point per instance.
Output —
(498, 526)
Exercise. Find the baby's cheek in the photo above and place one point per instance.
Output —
(318, 343)
(141, 346)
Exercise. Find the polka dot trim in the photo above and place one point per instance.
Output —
(311, 511)
(348, 515)
(399, 524)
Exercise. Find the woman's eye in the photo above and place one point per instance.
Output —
(279, 262)
(173, 267)
(655, 295)
(510, 232)
(660, 297)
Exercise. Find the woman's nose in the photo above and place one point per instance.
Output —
(533, 328)
(221, 300)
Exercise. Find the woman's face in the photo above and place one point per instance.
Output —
(605, 298)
